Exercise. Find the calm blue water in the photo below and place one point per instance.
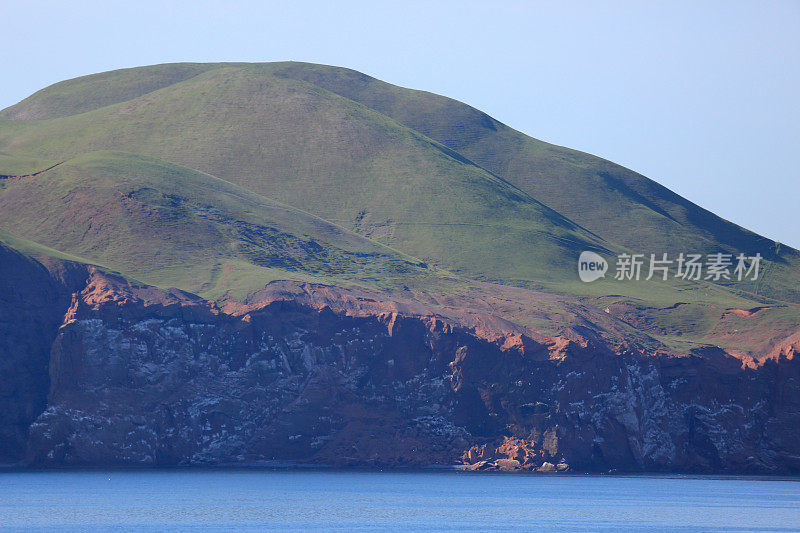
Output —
(412, 501)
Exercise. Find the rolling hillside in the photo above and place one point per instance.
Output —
(303, 146)
(182, 175)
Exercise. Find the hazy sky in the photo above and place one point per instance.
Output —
(699, 96)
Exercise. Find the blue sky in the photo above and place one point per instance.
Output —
(699, 96)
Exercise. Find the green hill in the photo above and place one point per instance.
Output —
(301, 145)
(613, 202)
(583, 187)
(218, 178)
(419, 172)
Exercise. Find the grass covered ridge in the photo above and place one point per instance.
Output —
(218, 178)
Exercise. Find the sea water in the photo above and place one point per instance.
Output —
(235, 500)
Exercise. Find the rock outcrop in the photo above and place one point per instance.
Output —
(98, 371)
(32, 304)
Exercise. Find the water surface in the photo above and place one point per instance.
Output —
(410, 501)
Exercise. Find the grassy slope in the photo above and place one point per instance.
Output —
(327, 155)
(613, 202)
(171, 226)
(349, 149)
(298, 142)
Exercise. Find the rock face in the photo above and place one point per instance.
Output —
(97, 371)
(32, 303)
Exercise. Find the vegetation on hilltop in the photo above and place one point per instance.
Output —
(218, 178)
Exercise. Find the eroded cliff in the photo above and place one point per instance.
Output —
(98, 371)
